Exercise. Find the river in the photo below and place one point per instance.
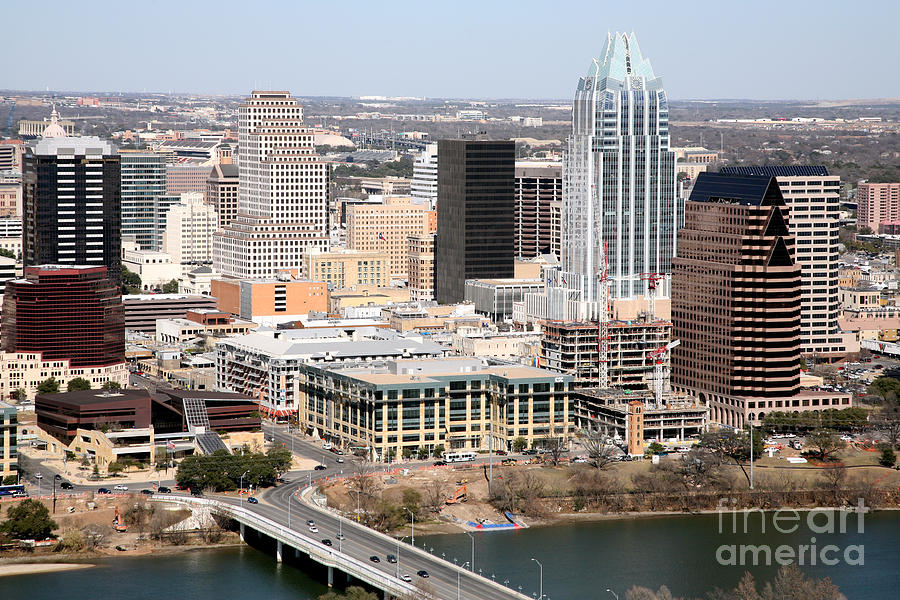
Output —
(579, 561)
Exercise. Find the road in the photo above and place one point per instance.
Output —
(282, 505)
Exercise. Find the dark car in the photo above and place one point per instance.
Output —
(164, 490)
(104, 491)
(196, 491)
(320, 467)
(374, 559)
(423, 573)
(530, 452)
(252, 500)
(500, 452)
(440, 463)
(147, 492)
(327, 542)
(391, 559)
(65, 485)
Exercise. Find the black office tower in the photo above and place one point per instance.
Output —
(72, 207)
(476, 214)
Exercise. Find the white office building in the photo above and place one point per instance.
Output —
(282, 192)
(423, 186)
(189, 230)
(619, 196)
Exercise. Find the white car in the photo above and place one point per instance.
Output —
(847, 438)
(406, 577)
(340, 459)
(121, 488)
(38, 476)
(313, 529)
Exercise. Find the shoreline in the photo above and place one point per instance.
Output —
(35, 568)
(82, 559)
(440, 528)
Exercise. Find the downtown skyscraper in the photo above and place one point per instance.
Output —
(619, 199)
(282, 192)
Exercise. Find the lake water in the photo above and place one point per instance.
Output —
(580, 561)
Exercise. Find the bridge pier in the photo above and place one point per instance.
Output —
(242, 533)
(278, 551)
(330, 576)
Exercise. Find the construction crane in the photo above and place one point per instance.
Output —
(659, 358)
(652, 280)
(603, 310)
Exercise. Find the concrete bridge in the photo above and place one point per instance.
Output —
(282, 517)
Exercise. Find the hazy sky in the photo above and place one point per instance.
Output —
(451, 48)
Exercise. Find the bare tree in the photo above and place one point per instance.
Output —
(434, 496)
(600, 453)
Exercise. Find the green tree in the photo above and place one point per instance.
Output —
(351, 593)
(412, 501)
(131, 282)
(10, 480)
(19, 394)
(888, 458)
(29, 519)
(111, 385)
(48, 386)
(115, 467)
(825, 443)
(655, 448)
(170, 287)
(519, 444)
(886, 388)
(439, 451)
(78, 384)
(7, 253)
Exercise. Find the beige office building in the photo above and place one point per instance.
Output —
(190, 225)
(386, 228)
(342, 268)
(421, 267)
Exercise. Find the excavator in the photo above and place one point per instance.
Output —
(461, 495)
(118, 525)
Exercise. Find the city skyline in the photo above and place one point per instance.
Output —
(409, 57)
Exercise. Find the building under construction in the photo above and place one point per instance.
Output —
(573, 348)
(612, 412)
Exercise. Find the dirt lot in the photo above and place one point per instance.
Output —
(435, 483)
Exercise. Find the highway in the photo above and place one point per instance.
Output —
(445, 581)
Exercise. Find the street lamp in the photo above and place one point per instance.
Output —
(473, 549)
(398, 554)
(457, 579)
(413, 515)
(613, 593)
(55, 479)
(541, 585)
(241, 493)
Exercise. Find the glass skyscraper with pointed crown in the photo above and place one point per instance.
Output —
(618, 184)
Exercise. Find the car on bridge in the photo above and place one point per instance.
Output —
(320, 468)
(405, 577)
(391, 559)
(313, 529)
(341, 536)
(423, 574)
(327, 542)
(252, 500)
(374, 559)
(310, 522)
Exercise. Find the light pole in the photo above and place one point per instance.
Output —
(55, 479)
(457, 579)
(613, 593)
(398, 555)
(413, 516)
(241, 493)
(541, 581)
(468, 533)
(751, 453)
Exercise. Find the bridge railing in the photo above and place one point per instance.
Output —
(330, 558)
(304, 497)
